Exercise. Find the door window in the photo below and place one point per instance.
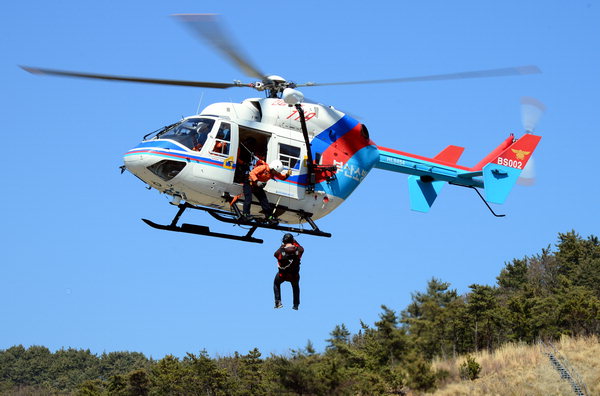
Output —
(222, 141)
(289, 156)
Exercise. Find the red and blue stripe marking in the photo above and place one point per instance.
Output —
(166, 149)
(344, 145)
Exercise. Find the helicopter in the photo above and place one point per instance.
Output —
(326, 152)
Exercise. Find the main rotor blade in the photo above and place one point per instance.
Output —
(37, 70)
(208, 28)
(508, 71)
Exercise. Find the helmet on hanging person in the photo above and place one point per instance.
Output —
(276, 165)
(288, 238)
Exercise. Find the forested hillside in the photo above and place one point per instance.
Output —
(554, 293)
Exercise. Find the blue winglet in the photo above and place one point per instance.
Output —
(423, 194)
(498, 181)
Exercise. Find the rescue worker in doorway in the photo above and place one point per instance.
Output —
(245, 157)
(288, 262)
(255, 184)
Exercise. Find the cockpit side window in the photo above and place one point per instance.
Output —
(192, 133)
(222, 140)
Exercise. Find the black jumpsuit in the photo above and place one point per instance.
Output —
(288, 258)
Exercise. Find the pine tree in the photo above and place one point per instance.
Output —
(251, 374)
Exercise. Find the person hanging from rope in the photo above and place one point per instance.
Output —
(255, 184)
(288, 264)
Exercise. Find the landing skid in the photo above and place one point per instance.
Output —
(234, 218)
(203, 230)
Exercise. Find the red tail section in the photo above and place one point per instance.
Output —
(518, 154)
(494, 154)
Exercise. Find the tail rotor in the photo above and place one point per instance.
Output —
(531, 113)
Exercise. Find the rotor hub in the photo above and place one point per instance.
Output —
(274, 85)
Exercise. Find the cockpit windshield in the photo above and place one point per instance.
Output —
(192, 133)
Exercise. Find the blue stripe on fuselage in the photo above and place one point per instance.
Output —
(167, 144)
(323, 140)
(179, 156)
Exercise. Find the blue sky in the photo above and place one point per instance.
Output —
(79, 269)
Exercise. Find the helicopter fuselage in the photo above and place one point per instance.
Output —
(204, 158)
(203, 161)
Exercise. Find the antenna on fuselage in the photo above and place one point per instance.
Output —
(233, 107)
(200, 103)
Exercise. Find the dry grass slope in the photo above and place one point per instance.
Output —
(519, 369)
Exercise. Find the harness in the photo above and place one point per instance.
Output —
(289, 261)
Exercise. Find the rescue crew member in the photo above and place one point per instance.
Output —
(288, 263)
(245, 156)
(255, 184)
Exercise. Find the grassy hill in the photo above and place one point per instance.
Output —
(520, 369)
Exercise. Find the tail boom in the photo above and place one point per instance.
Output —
(427, 169)
(496, 173)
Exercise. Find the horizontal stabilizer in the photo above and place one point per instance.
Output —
(423, 194)
(450, 154)
(470, 175)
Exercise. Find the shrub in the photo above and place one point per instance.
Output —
(470, 369)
